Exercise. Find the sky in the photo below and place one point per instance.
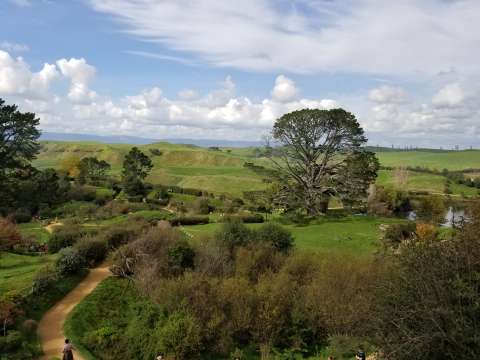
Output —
(209, 69)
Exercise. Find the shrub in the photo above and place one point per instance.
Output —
(247, 219)
(82, 193)
(69, 261)
(395, 234)
(12, 341)
(281, 239)
(234, 234)
(92, 249)
(29, 326)
(189, 220)
(180, 257)
(118, 235)
(65, 236)
(9, 235)
(43, 280)
(181, 336)
(22, 215)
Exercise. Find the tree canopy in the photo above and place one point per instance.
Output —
(136, 167)
(319, 155)
(18, 138)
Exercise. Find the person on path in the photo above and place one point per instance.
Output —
(68, 350)
(360, 355)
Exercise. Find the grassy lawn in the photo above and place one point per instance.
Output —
(36, 229)
(350, 236)
(18, 271)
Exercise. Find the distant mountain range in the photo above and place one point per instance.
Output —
(53, 136)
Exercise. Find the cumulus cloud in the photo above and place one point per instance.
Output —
(80, 73)
(284, 89)
(187, 94)
(388, 95)
(16, 78)
(451, 95)
(366, 36)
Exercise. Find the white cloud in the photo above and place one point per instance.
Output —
(16, 78)
(388, 95)
(13, 47)
(80, 74)
(415, 38)
(450, 95)
(284, 90)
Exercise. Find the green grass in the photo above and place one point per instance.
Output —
(223, 171)
(451, 160)
(356, 236)
(18, 271)
(36, 229)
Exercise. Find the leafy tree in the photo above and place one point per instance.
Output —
(18, 138)
(70, 165)
(316, 149)
(92, 171)
(136, 167)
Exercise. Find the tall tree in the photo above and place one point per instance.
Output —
(18, 138)
(92, 171)
(316, 147)
(136, 167)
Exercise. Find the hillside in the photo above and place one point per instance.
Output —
(222, 170)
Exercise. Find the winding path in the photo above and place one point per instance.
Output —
(50, 328)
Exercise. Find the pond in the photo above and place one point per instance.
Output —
(453, 215)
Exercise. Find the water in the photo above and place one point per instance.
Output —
(452, 216)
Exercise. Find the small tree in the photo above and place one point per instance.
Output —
(136, 167)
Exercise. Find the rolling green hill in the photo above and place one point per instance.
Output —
(222, 170)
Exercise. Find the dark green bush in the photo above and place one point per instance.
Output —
(397, 233)
(82, 193)
(180, 257)
(69, 261)
(189, 220)
(247, 219)
(92, 248)
(22, 216)
(11, 342)
(65, 236)
(281, 239)
(44, 279)
(234, 234)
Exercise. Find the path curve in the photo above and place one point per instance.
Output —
(50, 328)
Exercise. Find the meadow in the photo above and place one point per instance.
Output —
(222, 170)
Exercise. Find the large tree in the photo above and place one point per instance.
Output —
(18, 138)
(92, 171)
(319, 155)
(136, 167)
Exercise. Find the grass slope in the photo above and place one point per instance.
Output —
(18, 271)
(222, 171)
(350, 236)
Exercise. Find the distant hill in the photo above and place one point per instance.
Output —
(134, 140)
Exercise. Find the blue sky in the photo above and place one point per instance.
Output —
(227, 70)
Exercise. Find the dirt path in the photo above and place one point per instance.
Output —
(50, 328)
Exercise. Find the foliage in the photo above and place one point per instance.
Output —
(92, 171)
(432, 208)
(234, 234)
(92, 248)
(189, 220)
(65, 236)
(18, 138)
(245, 218)
(396, 234)
(69, 261)
(427, 303)
(281, 239)
(317, 154)
(9, 235)
(136, 167)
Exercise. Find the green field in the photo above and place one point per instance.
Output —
(35, 229)
(18, 271)
(222, 171)
(356, 236)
